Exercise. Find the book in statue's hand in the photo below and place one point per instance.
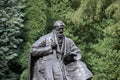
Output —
(69, 58)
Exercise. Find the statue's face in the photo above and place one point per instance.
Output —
(60, 29)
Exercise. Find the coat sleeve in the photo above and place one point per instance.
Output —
(75, 50)
(39, 48)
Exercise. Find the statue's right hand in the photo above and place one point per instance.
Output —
(53, 45)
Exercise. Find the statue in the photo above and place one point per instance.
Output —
(56, 57)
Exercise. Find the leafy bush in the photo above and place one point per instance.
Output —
(10, 35)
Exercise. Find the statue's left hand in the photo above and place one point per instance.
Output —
(69, 58)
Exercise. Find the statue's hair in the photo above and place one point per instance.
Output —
(58, 23)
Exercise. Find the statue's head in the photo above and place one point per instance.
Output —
(58, 23)
(59, 26)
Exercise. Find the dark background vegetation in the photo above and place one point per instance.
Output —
(94, 25)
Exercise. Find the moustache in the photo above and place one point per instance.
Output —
(60, 35)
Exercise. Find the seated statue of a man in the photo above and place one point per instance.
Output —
(56, 57)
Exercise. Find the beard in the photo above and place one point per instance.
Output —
(60, 35)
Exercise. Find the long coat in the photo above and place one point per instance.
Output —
(48, 64)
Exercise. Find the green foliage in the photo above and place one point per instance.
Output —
(10, 32)
(104, 62)
(24, 75)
